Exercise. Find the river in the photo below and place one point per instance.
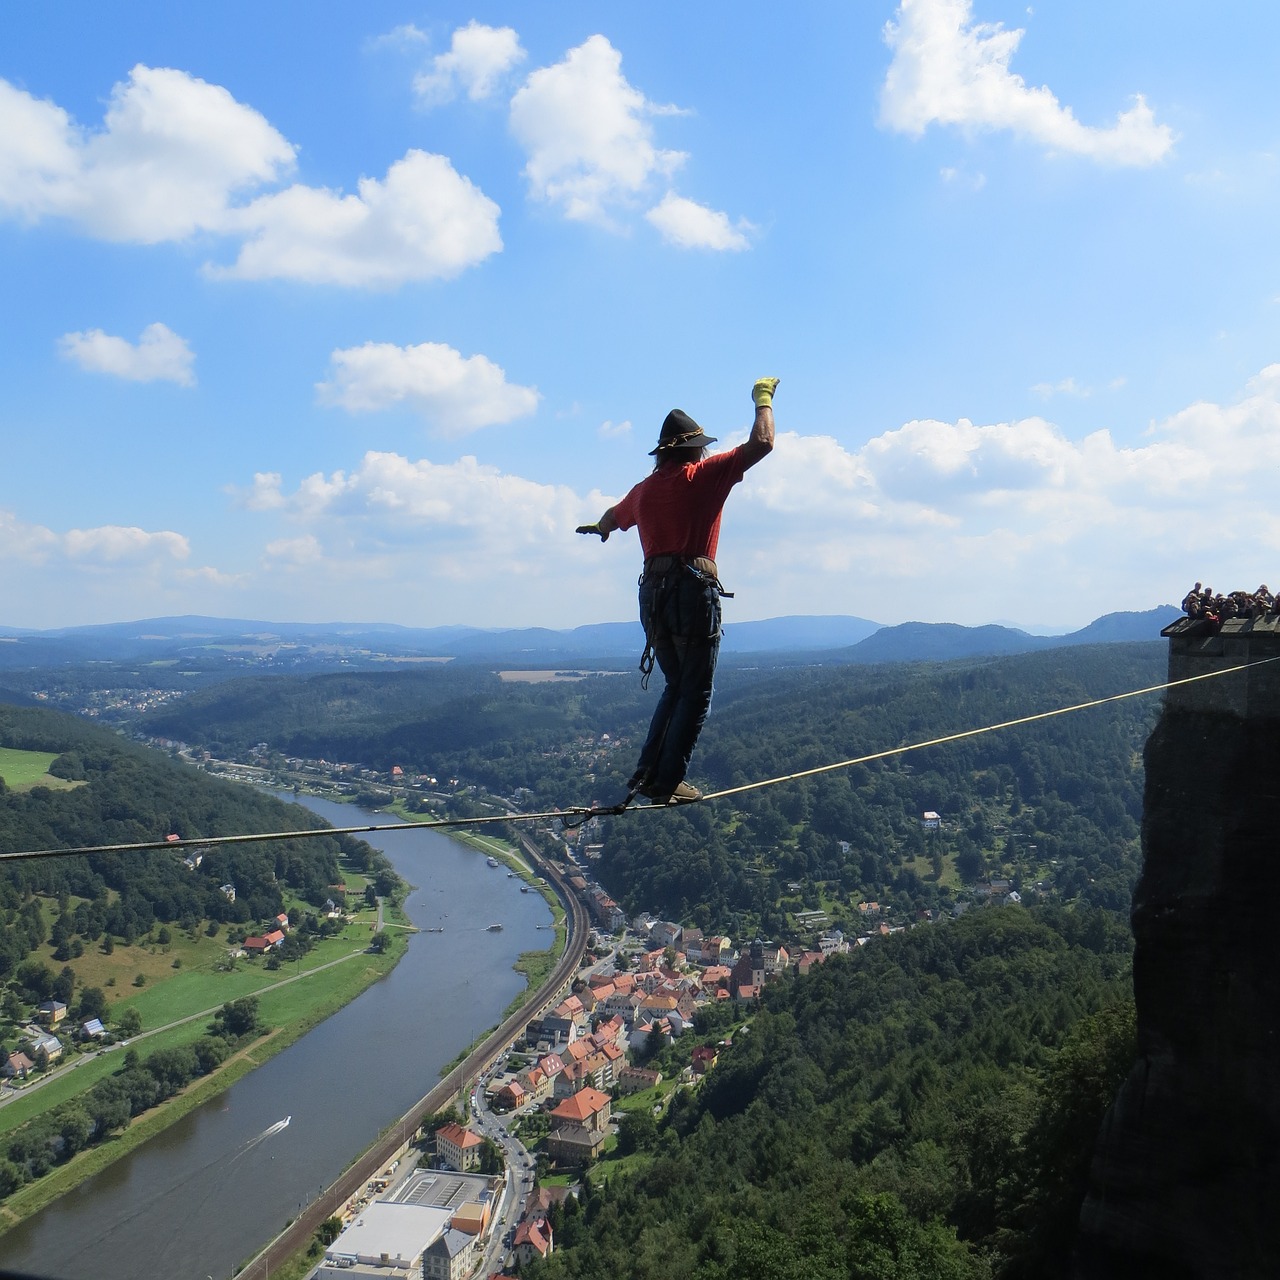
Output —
(205, 1195)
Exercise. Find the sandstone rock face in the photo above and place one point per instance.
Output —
(1186, 1176)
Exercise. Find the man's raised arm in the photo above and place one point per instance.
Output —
(760, 442)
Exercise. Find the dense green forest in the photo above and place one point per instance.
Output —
(1052, 806)
(434, 718)
(126, 793)
(921, 1109)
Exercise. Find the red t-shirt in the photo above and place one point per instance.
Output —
(678, 508)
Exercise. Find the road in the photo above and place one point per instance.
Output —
(519, 1164)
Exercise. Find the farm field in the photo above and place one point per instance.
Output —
(22, 770)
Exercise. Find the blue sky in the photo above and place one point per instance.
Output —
(327, 312)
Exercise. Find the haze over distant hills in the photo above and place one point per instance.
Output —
(810, 638)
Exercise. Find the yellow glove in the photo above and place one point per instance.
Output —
(593, 528)
(762, 392)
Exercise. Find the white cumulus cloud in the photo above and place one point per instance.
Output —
(479, 58)
(159, 355)
(103, 572)
(455, 393)
(424, 221)
(964, 521)
(949, 69)
(690, 225)
(263, 495)
(587, 135)
(115, 544)
(176, 156)
(462, 539)
(389, 500)
(172, 154)
(24, 543)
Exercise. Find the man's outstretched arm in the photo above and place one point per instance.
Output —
(602, 527)
(760, 442)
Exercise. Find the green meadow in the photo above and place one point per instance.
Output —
(22, 770)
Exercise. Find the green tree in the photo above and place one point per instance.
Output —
(238, 1017)
(64, 984)
(93, 1004)
(75, 1128)
(11, 1175)
(638, 1131)
(491, 1159)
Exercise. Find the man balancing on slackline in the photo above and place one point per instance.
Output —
(677, 509)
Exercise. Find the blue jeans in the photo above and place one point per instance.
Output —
(680, 610)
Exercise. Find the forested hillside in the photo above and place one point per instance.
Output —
(1052, 806)
(921, 1109)
(125, 793)
(437, 719)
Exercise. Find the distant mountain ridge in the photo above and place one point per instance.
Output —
(943, 641)
(838, 638)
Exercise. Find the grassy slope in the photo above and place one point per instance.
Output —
(22, 770)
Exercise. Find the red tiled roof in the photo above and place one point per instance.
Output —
(533, 1232)
(462, 1138)
(582, 1106)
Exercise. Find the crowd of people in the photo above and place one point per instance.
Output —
(1202, 602)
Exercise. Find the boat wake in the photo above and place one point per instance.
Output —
(270, 1131)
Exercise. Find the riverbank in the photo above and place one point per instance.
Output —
(344, 983)
(175, 1000)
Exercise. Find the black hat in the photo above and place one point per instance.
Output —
(679, 431)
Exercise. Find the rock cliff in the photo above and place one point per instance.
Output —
(1186, 1177)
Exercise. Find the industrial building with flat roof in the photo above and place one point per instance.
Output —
(388, 1238)
(385, 1240)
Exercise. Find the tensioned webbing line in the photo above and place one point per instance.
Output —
(579, 815)
(990, 728)
(203, 842)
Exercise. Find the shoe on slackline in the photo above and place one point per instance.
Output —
(684, 793)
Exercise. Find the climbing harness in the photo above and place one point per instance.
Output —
(663, 600)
